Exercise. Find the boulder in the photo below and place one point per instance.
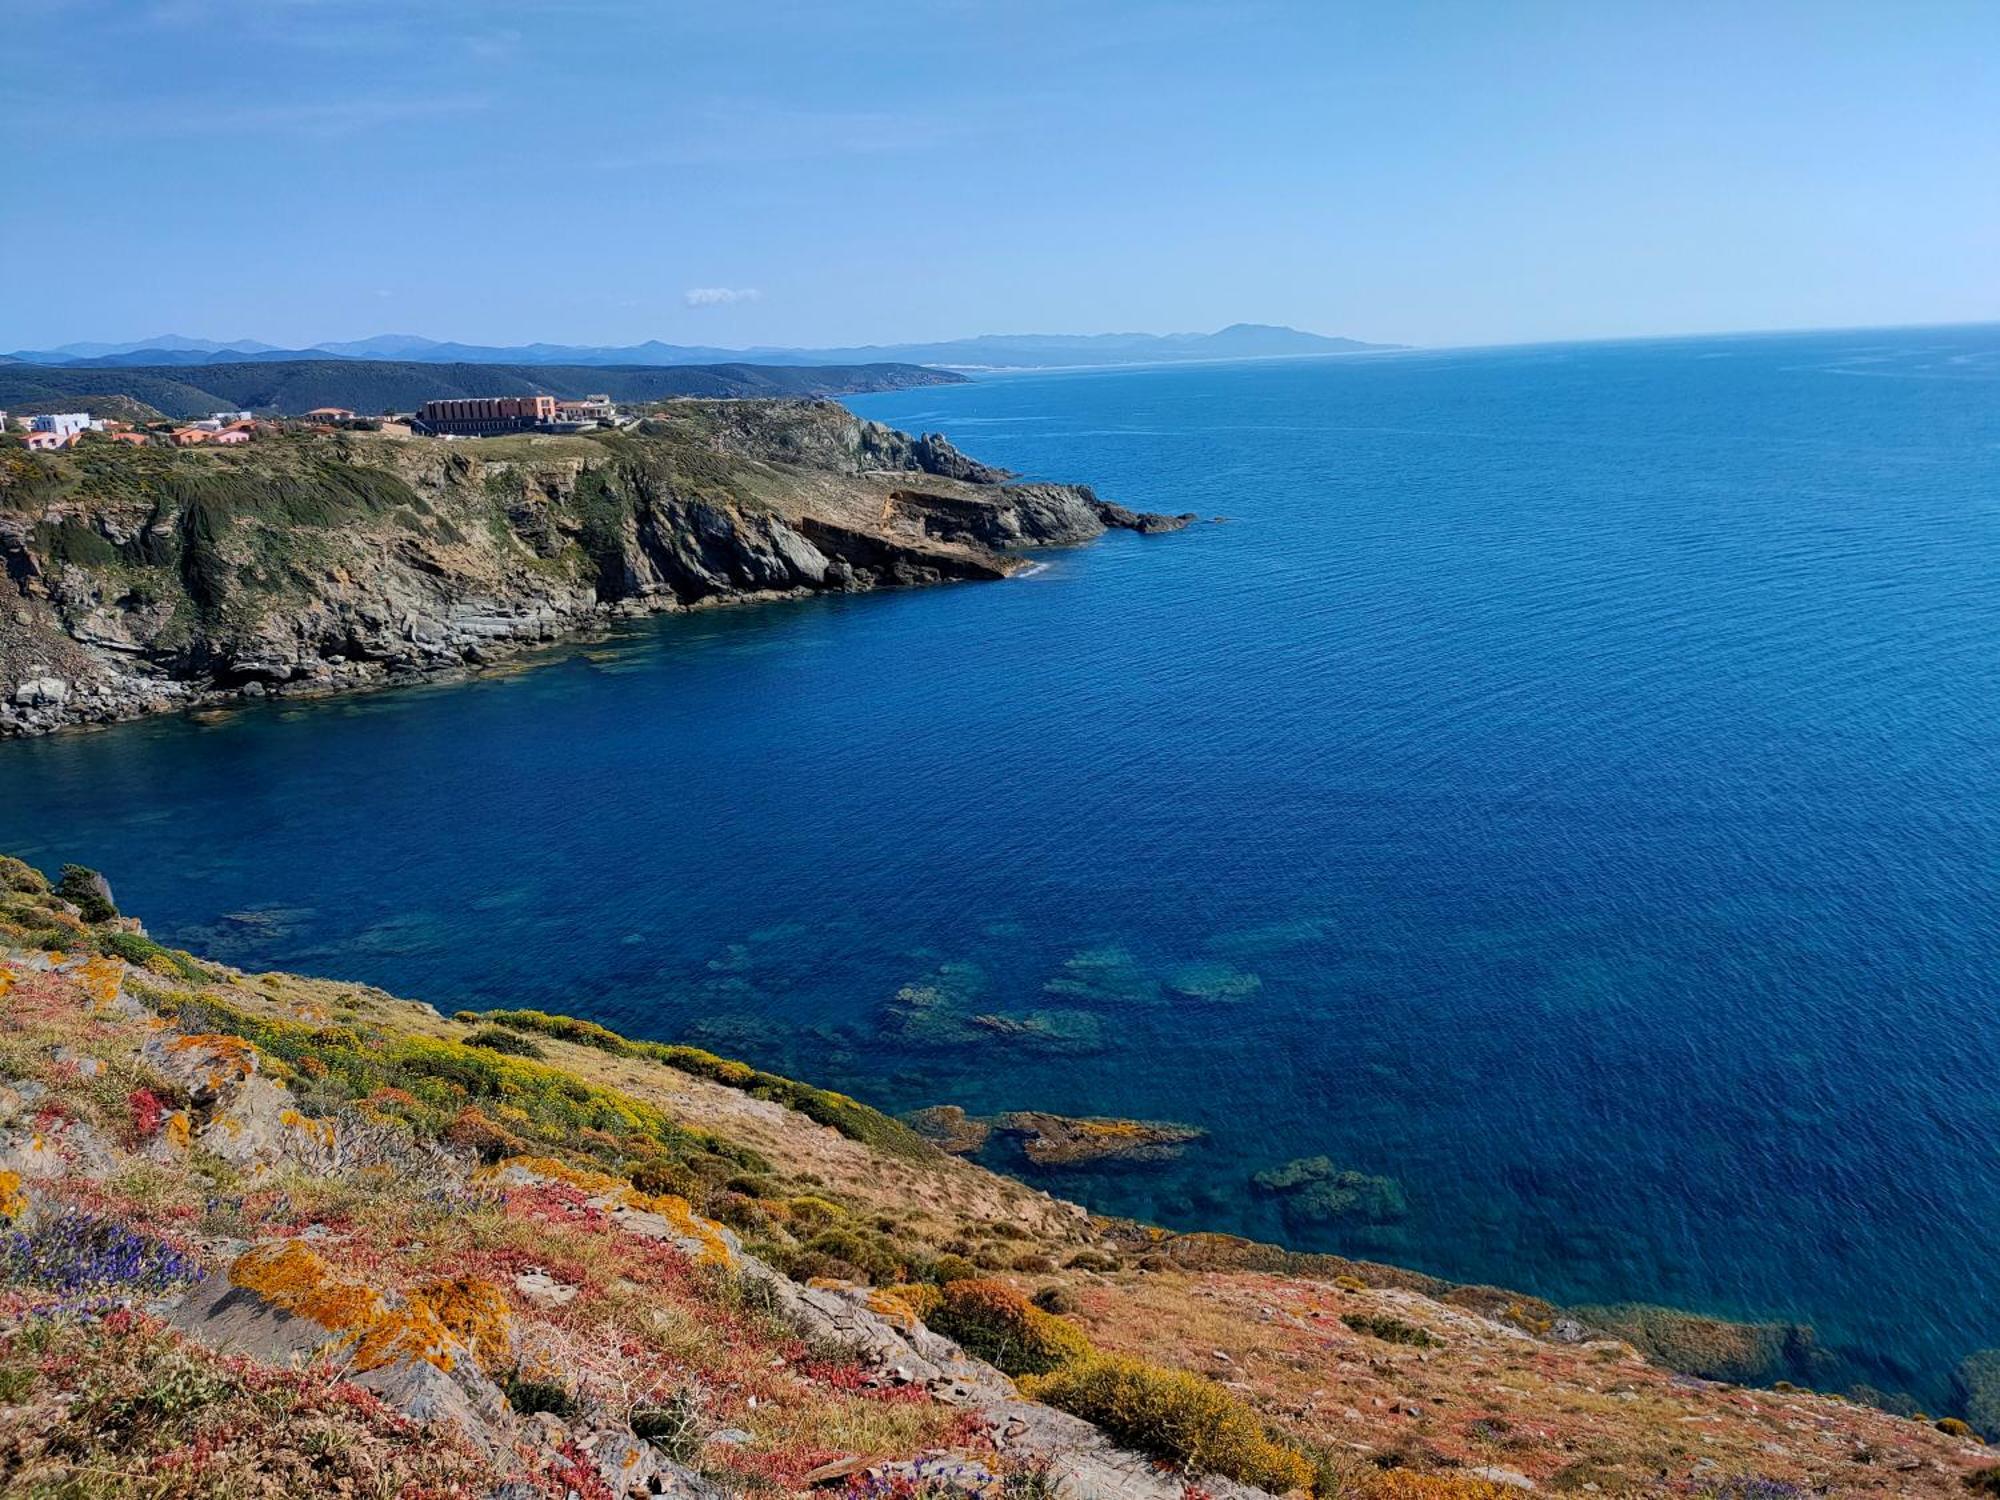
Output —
(38, 692)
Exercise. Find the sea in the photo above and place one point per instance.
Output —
(1543, 817)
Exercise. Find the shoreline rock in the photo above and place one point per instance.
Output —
(305, 566)
(1064, 1141)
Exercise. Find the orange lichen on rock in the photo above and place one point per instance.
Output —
(103, 979)
(177, 1130)
(1063, 1140)
(473, 1311)
(436, 1322)
(905, 1306)
(298, 1280)
(680, 1213)
(230, 1058)
(713, 1248)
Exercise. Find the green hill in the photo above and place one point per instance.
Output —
(294, 386)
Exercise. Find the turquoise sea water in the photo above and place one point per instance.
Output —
(1568, 785)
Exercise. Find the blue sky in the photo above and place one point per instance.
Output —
(814, 173)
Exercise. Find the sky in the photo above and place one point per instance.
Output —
(609, 171)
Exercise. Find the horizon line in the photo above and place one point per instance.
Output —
(1378, 347)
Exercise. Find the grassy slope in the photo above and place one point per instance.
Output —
(1359, 1376)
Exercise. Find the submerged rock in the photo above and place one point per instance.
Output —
(1977, 1380)
(1107, 975)
(1213, 980)
(1315, 1191)
(1044, 1030)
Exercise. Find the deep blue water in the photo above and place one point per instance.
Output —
(1566, 784)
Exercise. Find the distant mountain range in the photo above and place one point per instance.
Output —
(293, 386)
(991, 351)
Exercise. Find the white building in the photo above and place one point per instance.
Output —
(224, 418)
(66, 424)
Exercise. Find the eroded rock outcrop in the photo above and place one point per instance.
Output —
(1062, 1141)
(308, 563)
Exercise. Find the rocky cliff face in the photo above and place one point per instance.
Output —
(140, 580)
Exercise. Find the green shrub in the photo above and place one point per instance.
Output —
(86, 890)
(663, 1175)
(810, 1213)
(1173, 1415)
(855, 1255)
(17, 875)
(994, 1321)
(147, 954)
(852, 1118)
(530, 1396)
(499, 1039)
(1391, 1330)
(77, 542)
(951, 1267)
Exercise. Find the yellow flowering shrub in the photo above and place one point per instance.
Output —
(1173, 1415)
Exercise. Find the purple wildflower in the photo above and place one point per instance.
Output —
(81, 1255)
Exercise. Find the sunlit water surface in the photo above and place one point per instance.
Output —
(1566, 785)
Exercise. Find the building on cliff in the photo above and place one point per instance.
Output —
(589, 409)
(484, 416)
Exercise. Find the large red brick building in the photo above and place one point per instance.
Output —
(483, 415)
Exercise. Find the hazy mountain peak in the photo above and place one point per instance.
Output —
(982, 351)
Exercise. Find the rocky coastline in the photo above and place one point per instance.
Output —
(145, 582)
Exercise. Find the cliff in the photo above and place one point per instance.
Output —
(147, 579)
(270, 1235)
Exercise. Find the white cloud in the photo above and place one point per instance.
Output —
(720, 296)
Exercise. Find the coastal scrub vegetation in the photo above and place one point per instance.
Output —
(1391, 1330)
(1175, 1415)
(993, 1320)
(528, 1266)
(469, 1095)
(852, 1118)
